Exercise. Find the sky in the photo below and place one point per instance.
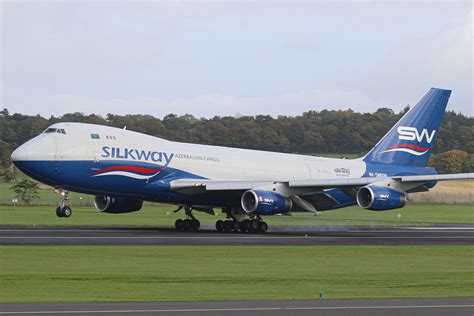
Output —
(221, 58)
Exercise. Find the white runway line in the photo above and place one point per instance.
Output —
(243, 309)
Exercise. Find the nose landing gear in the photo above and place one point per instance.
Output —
(63, 210)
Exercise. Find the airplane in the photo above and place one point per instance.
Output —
(123, 168)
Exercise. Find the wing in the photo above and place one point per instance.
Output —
(312, 195)
(225, 185)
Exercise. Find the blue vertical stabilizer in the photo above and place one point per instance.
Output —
(410, 141)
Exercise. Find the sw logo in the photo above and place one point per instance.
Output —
(412, 134)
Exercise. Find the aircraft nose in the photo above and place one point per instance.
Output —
(19, 154)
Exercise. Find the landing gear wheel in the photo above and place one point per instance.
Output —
(228, 226)
(220, 225)
(244, 225)
(58, 212)
(187, 224)
(63, 210)
(195, 224)
(262, 227)
(179, 224)
(235, 226)
(66, 211)
(254, 225)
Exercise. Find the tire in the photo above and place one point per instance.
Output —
(195, 224)
(244, 225)
(66, 211)
(187, 224)
(58, 212)
(254, 225)
(220, 225)
(262, 227)
(228, 226)
(179, 224)
(235, 226)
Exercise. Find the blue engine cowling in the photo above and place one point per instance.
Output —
(380, 198)
(116, 205)
(265, 202)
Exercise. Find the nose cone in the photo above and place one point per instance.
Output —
(19, 154)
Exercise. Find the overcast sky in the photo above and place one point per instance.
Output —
(223, 58)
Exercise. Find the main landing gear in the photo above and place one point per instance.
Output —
(63, 210)
(254, 225)
(190, 223)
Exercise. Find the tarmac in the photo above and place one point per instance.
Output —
(107, 236)
(314, 236)
(367, 307)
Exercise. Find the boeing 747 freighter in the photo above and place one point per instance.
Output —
(123, 168)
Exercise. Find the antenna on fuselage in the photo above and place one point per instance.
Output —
(125, 127)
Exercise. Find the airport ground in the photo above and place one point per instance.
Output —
(345, 254)
(183, 273)
(157, 215)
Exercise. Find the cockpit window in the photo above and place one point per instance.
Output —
(55, 130)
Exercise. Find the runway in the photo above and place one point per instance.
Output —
(72, 236)
(387, 307)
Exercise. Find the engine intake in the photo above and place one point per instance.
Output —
(380, 198)
(265, 203)
(116, 205)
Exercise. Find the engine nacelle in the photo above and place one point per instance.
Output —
(265, 203)
(380, 198)
(116, 205)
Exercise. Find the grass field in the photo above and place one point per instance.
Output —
(55, 274)
(47, 196)
(162, 216)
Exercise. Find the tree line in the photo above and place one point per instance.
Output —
(322, 132)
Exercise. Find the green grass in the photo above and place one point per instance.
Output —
(81, 273)
(47, 196)
(162, 216)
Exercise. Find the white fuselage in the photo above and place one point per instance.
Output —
(211, 162)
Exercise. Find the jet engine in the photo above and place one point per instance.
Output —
(116, 205)
(265, 203)
(380, 198)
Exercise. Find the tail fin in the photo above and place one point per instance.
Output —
(409, 142)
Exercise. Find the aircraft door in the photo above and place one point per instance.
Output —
(94, 155)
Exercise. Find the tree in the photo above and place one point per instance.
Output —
(26, 190)
(4, 113)
(452, 161)
(468, 165)
(9, 174)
